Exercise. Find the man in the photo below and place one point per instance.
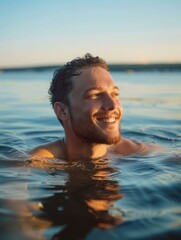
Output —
(86, 102)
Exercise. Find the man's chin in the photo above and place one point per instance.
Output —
(99, 139)
(97, 135)
(112, 138)
(103, 139)
(111, 141)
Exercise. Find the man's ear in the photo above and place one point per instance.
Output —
(60, 110)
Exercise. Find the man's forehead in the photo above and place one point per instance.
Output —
(93, 77)
(94, 72)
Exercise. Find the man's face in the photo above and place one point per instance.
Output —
(94, 107)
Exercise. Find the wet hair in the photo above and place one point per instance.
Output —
(62, 85)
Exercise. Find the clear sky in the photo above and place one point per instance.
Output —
(41, 32)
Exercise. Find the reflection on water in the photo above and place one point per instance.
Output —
(70, 208)
(119, 198)
(85, 200)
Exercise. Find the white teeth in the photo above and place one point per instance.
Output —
(109, 120)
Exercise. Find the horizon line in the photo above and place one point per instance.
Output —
(38, 66)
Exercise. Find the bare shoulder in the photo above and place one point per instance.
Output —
(128, 147)
(50, 150)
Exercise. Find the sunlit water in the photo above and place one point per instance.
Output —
(116, 198)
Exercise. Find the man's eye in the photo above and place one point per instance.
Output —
(115, 94)
(94, 96)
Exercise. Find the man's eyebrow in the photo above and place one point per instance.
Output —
(100, 89)
(115, 87)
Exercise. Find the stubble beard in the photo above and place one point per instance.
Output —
(89, 133)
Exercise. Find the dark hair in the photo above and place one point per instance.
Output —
(61, 84)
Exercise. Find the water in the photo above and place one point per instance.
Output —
(129, 197)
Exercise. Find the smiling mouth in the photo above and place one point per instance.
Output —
(107, 120)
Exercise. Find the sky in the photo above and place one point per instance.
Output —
(49, 32)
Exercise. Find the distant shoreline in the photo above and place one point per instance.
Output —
(161, 67)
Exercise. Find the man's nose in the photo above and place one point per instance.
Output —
(109, 103)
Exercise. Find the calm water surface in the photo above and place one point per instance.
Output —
(133, 197)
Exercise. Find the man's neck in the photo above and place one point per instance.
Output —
(81, 150)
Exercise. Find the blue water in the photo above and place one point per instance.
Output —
(131, 197)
